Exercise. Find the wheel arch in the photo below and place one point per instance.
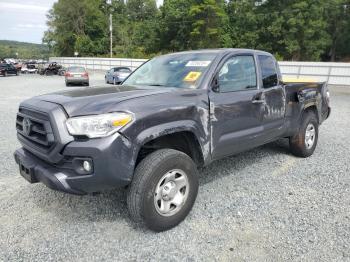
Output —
(310, 108)
(183, 137)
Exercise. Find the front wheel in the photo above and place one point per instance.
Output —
(163, 190)
(304, 143)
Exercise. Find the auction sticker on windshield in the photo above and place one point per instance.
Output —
(192, 76)
(198, 63)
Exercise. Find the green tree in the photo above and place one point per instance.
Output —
(244, 24)
(70, 21)
(290, 29)
(140, 10)
(337, 13)
(295, 29)
(175, 25)
(208, 17)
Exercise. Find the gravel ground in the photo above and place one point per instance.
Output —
(262, 205)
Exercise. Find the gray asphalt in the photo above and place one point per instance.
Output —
(262, 205)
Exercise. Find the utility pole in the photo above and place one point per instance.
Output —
(111, 33)
(109, 2)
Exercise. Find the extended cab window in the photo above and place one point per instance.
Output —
(268, 71)
(237, 74)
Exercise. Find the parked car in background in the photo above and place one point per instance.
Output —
(62, 71)
(8, 69)
(32, 69)
(76, 75)
(24, 69)
(18, 66)
(42, 67)
(51, 69)
(117, 75)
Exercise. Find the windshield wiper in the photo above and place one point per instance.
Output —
(155, 85)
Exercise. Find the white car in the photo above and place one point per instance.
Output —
(29, 69)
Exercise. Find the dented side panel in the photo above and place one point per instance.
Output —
(177, 111)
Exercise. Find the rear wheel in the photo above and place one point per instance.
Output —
(163, 190)
(304, 143)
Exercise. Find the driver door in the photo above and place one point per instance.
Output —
(235, 107)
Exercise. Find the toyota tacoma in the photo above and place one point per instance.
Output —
(175, 113)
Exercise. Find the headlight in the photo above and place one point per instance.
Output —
(98, 125)
(328, 97)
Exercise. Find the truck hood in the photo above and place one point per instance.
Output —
(98, 100)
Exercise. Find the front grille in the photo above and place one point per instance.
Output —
(34, 129)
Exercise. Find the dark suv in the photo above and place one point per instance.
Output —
(8, 69)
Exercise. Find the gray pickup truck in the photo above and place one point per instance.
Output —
(173, 114)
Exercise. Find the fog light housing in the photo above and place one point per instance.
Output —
(83, 166)
(87, 166)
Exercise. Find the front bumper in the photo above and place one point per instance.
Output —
(113, 166)
(35, 170)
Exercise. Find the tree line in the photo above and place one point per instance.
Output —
(15, 49)
(290, 29)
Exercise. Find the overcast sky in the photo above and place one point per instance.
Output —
(25, 20)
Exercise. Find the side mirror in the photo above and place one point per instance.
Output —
(282, 83)
(215, 86)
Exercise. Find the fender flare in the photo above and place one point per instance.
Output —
(160, 130)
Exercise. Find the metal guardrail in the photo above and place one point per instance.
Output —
(98, 63)
(333, 73)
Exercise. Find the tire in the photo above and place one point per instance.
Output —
(299, 144)
(149, 175)
(67, 84)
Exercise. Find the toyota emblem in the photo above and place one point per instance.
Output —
(27, 126)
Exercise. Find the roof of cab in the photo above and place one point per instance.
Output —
(223, 50)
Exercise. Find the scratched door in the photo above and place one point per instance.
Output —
(274, 98)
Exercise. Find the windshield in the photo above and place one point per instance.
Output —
(123, 70)
(177, 70)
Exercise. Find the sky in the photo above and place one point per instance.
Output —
(25, 20)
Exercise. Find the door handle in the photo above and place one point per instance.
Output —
(258, 101)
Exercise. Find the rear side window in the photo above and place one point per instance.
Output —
(124, 70)
(76, 69)
(268, 71)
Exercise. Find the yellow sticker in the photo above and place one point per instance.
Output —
(192, 76)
